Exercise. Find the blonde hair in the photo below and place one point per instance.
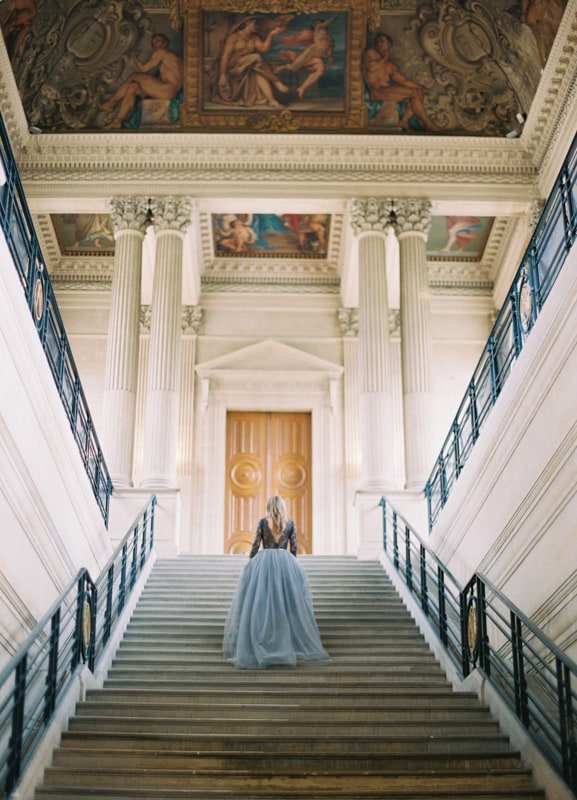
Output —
(276, 509)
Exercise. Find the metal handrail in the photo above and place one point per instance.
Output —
(481, 629)
(73, 633)
(18, 228)
(542, 262)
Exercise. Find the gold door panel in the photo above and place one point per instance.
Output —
(266, 453)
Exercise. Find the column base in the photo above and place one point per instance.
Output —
(160, 482)
(126, 504)
(370, 524)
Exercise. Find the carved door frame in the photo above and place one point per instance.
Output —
(296, 381)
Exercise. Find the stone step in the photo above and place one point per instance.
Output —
(331, 618)
(166, 660)
(296, 783)
(70, 755)
(161, 637)
(417, 743)
(203, 678)
(303, 713)
(389, 629)
(77, 793)
(277, 727)
(309, 696)
(203, 646)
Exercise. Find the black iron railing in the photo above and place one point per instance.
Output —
(480, 629)
(18, 229)
(73, 633)
(548, 249)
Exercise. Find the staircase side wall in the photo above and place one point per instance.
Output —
(51, 525)
(512, 512)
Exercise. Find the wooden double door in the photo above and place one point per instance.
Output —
(266, 454)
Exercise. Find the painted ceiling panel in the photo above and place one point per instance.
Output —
(444, 67)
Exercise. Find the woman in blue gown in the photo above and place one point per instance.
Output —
(271, 619)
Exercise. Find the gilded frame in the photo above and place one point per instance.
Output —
(359, 15)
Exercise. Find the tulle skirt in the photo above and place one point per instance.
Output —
(271, 619)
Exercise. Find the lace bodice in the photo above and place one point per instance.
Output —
(264, 534)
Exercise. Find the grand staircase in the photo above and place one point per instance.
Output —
(380, 721)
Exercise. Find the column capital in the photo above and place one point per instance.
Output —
(129, 213)
(191, 320)
(370, 215)
(171, 213)
(348, 321)
(412, 215)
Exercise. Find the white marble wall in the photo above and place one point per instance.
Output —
(306, 327)
(49, 522)
(512, 512)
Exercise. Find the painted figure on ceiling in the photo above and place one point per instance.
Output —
(240, 75)
(317, 56)
(163, 86)
(17, 21)
(544, 18)
(385, 83)
(237, 235)
(461, 231)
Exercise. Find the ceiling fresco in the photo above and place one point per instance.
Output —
(458, 238)
(271, 235)
(275, 236)
(355, 66)
(84, 234)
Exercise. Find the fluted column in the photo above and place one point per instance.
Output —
(348, 319)
(191, 321)
(412, 225)
(129, 220)
(370, 220)
(171, 218)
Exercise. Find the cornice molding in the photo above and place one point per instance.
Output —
(212, 284)
(179, 161)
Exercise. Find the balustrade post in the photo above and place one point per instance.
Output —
(429, 509)
(564, 191)
(424, 587)
(152, 513)
(442, 481)
(52, 674)
(521, 700)
(93, 602)
(443, 622)
(568, 744)
(534, 281)
(495, 382)
(395, 541)
(122, 585)
(383, 504)
(77, 645)
(474, 413)
(15, 744)
(134, 557)
(108, 612)
(514, 298)
(464, 609)
(143, 543)
(408, 561)
(484, 651)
